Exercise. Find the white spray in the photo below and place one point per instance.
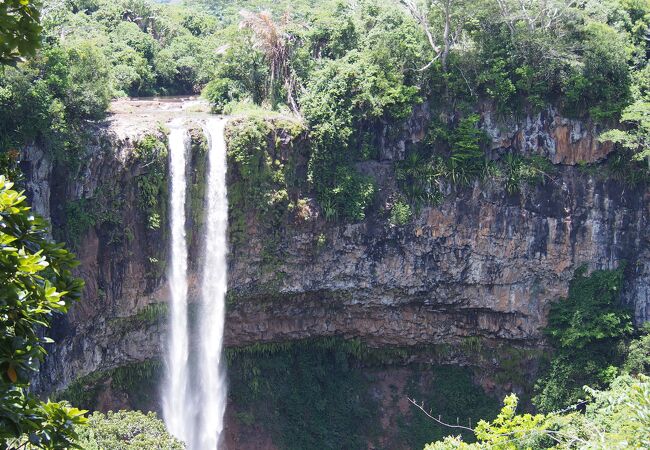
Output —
(212, 380)
(175, 391)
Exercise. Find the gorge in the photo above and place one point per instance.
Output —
(302, 225)
(467, 283)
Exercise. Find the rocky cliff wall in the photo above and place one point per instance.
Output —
(484, 264)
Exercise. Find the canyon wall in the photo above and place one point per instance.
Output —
(484, 264)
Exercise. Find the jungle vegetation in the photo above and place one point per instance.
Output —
(351, 73)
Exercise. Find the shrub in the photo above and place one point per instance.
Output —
(602, 86)
(400, 213)
(126, 430)
(467, 159)
(417, 179)
(587, 332)
(221, 91)
(350, 195)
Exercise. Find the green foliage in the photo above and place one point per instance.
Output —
(351, 194)
(587, 331)
(48, 99)
(417, 179)
(518, 170)
(126, 430)
(620, 165)
(345, 98)
(602, 87)
(151, 154)
(348, 92)
(265, 158)
(138, 381)
(79, 220)
(452, 395)
(509, 427)
(592, 312)
(220, 92)
(36, 283)
(92, 52)
(19, 29)
(263, 176)
(9, 166)
(101, 211)
(620, 416)
(151, 48)
(241, 73)
(467, 160)
(615, 418)
(637, 137)
(152, 314)
(637, 360)
(400, 213)
(522, 61)
(458, 156)
(319, 397)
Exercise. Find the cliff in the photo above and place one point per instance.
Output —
(482, 266)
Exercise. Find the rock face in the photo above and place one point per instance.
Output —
(547, 133)
(485, 263)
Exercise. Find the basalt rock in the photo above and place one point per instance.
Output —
(484, 264)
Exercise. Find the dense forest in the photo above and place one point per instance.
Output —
(344, 76)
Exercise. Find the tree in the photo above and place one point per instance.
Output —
(35, 283)
(616, 418)
(535, 14)
(272, 39)
(637, 136)
(19, 29)
(126, 430)
(444, 36)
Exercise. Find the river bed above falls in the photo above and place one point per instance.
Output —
(129, 117)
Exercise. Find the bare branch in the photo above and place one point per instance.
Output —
(421, 19)
(437, 420)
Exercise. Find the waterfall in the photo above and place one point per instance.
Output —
(194, 398)
(175, 391)
(212, 380)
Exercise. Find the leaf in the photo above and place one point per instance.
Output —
(11, 373)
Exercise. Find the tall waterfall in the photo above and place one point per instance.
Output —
(175, 391)
(212, 381)
(194, 395)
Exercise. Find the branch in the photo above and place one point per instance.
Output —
(552, 434)
(421, 19)
(428, 414)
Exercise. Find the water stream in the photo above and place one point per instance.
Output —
(175, 391)
(212, 381)
(194, 394)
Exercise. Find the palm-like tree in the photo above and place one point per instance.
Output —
(273, 40)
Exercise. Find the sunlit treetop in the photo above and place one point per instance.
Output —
(19, 29)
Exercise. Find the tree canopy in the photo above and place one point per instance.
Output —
(19, 29)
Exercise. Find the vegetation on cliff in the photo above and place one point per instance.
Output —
(588, 331)
(323, 91)
(355, 72)
(596, 390)
(35, 284)
(617, 418)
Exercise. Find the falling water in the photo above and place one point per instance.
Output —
(212, 382)
(175, 391)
